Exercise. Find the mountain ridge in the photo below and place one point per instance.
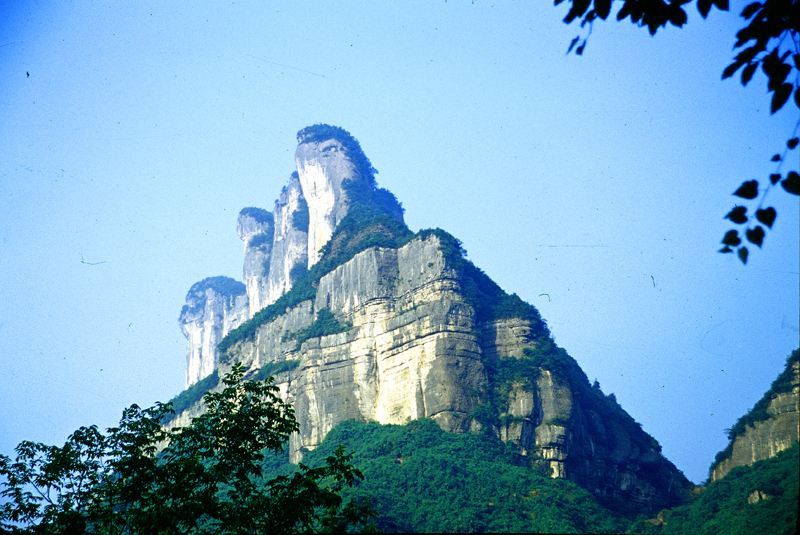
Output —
(414, 330)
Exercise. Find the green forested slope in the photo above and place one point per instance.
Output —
(421, 479)
(723, 506)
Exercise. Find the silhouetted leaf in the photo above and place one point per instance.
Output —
(731, 238)
(755, 235)
(578, 8)
(572, 44)
(748, 190)
(722, 5)
(742, 253)
(677, 16)
(725, 249)
(747, 72)
(774, 178)
(737, 215)
(767, 216)
(704, 6)
(776, 158)
(579, 50)
(792, 183)
(732, 68)
(603, 8)
(797, 97)
(792, 143)
(751, 9)
(780, 96)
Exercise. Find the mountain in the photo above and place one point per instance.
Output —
(359, 318)
(754, 482)
(771, 426)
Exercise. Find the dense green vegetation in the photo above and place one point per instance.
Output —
(225, 286)
(782, 384)
(325, 324)
(322, 132)
(204, 478)
(272, 369)
(192, 395)
(259, 214)
(419, 478)
(723, 507)
(301, 217)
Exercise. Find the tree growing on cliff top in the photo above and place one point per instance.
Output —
(771, 40)
(141, 478)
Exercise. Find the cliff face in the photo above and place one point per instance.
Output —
(419, 332)
(766, 437)
(322, 167)
(290, 243)
(214, 307)
(255, 228)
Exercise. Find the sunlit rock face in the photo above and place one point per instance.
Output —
(214, 307)
(290, 245)
(322, 166)
(415, 350)
(416, 340)
(255, 228)
(411, 352)
(767, 438)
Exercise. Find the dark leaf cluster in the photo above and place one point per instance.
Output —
(754, 232)
(770, 40)
(207, 478)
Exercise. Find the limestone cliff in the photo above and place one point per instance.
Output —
(770, 427)
(290, 242)
(414, 330)
(214, 307)
(256, 229)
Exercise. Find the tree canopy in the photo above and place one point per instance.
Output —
(142, 478)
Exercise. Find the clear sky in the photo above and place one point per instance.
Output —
(132, 133)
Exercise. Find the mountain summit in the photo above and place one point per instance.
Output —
(358, 317)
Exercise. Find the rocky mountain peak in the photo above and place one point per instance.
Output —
(360, 318)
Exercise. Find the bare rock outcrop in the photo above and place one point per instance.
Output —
(289, 258)
(214, 307)
(769, 433)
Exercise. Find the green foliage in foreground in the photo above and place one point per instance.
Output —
(192, 395)
(723, 506)
(422, 479)
(782, 384)
(206, 478)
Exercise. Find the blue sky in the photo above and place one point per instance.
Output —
(594, 187)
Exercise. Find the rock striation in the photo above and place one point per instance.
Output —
(365, 320)
(214, 307)
(764, 433)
